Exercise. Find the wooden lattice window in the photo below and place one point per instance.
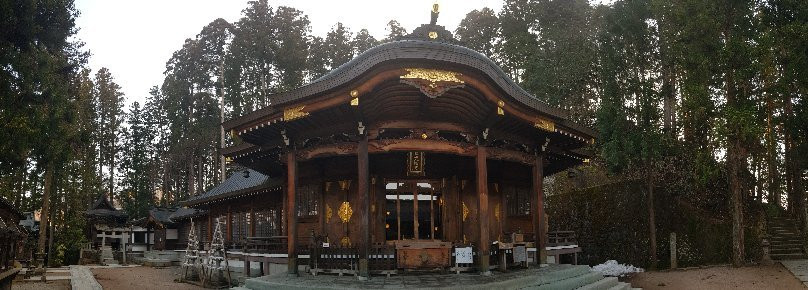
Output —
(267, 223)
(308, 200)
(239, 223)
(518, 200)
(202, 230)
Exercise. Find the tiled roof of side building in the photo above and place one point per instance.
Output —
(239, 182)
(184, 212)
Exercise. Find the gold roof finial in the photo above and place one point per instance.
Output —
(435, 12)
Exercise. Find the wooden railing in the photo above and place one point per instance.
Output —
(561, 238)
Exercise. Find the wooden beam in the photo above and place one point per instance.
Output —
(387, 145)
(291, 211)
(538, 210)
(510, 155)
(482, 197)
(373, 131)
(363, 180)
(329, 150)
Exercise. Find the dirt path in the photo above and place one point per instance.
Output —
(757, 277)
(141, 278)
(50, 285)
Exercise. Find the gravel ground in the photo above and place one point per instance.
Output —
(724, 277)
(50, 285)
(141, 278)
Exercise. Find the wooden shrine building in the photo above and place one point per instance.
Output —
(419, 145)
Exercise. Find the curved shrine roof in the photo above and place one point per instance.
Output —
(406, 51)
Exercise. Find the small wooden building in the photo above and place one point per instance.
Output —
(106, 225)
(163, 229)
(243, 204)
(12, 237)
(399, 159)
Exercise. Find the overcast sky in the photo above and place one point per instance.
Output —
(134, 39)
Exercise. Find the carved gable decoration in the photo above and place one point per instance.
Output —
(432, 82)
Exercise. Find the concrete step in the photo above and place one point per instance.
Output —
(574, 282)
(786, 249)
(789, 256)
(602, 284)
(563, 277)
(784, 244)
(783, 240)
(621, 286)
(771, 253)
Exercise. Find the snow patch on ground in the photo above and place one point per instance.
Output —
(614, 269)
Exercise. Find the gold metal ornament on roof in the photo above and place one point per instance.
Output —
(433, 35)
(544, 124)
(328, 213)
(465, 211)
(434, 76)
(432, 82)
(345, 242)
(345, 212)
(294, 113)
(354, 98)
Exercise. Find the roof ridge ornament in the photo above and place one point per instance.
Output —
(435, 13)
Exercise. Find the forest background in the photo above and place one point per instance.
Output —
(700, 107)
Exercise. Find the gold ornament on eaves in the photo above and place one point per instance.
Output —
(433, 76)
(544, 124)
(294, 113)
(465, 211)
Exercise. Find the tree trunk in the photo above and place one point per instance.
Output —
(112, 171)
(735, 160)
(652, 222)
(191, 183)
(200, 170)
(222, 164)
(43, 218)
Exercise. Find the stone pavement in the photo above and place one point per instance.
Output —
(799, 268)
(83, 278)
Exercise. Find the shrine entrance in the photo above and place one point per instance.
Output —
(413, 210)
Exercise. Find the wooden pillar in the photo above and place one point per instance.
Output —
(482, 197)
(228, 225)
(363, 180)
(252, 222)
(210, 227)
(291, 212)
(538, 210)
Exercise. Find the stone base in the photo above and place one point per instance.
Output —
(551, 277)
(157, 263)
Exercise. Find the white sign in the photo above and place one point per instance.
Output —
(519, 254)
(464, 255)
(325, 245)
